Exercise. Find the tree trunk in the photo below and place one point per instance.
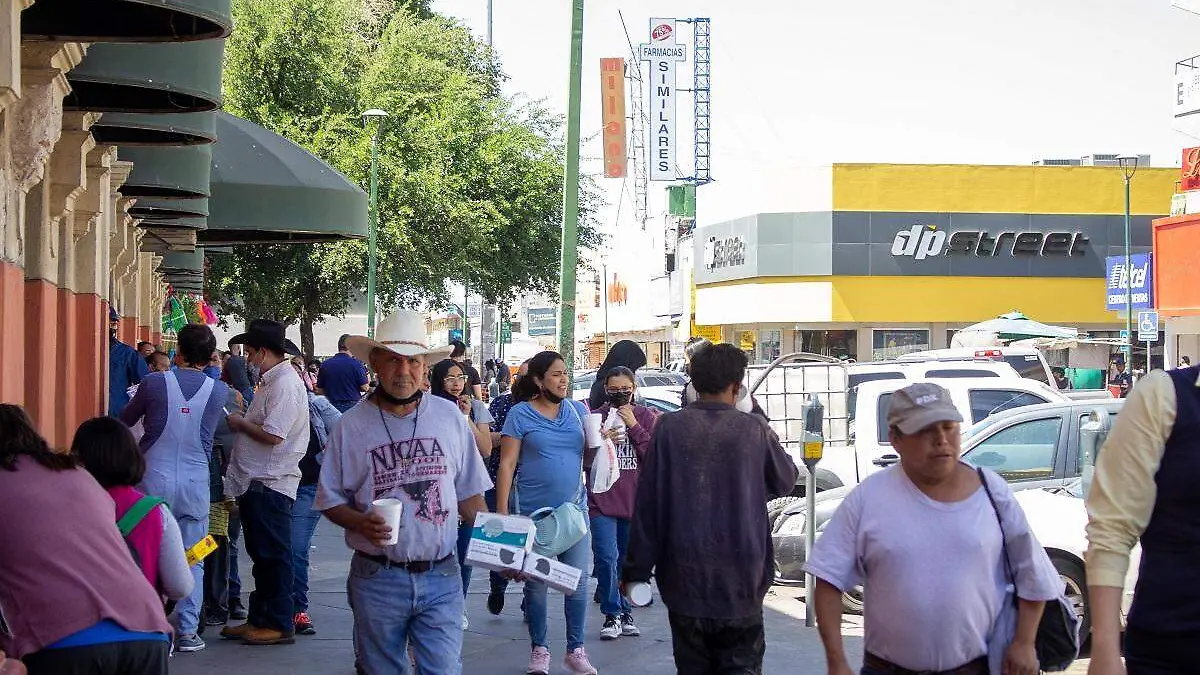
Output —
(306, 336)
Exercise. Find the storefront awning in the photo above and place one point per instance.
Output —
(126, 20)
(266, 188)
(169, 209)
(165, 129)
(167, 172)
(148, 78)
(191, 262)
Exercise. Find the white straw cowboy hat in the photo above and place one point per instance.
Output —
(402, 333)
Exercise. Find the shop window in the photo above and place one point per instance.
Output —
(841, 344)
(888, 343)
(769, 345)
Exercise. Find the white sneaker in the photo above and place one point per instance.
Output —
(611, 629)
(628, 627)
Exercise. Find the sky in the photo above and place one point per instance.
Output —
(804, 84)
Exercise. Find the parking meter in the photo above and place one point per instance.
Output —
(1092, 434)
(813, 442)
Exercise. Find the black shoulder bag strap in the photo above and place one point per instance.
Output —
(1008, 570)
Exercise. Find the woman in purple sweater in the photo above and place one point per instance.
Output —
(611, 511)
(72, 599)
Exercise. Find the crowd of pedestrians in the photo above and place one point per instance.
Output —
(258, 444)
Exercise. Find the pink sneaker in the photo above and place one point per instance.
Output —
(539, 662)
(577, 663)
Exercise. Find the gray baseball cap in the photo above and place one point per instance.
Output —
(919, 405)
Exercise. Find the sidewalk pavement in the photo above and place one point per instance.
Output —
(494, 645)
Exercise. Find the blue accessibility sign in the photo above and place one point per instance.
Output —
(1138, 279)
(1147, 326)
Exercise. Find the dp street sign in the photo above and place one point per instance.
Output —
(1147, 326)
(506, 332)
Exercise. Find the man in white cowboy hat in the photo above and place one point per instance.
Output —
(400, 444)
(264, 474)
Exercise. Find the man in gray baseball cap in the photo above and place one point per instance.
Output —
(921, 530)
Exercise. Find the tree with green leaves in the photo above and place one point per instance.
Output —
(470, 185)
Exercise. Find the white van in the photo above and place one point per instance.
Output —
(1027, 361)
(867, 448)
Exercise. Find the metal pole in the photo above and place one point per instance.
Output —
(372, 236)
(489, 26)
(1128, 281)
(604, 268)
(467, 315)
(570, 230)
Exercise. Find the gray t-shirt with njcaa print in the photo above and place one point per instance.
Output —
(430, 463)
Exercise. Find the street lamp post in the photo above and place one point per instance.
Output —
(377, 116)
(1129, 165)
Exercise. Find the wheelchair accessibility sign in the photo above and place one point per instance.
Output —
(1147, 326)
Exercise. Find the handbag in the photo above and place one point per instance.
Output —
(558, 529)
(1057, 640)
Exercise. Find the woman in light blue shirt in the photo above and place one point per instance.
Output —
(544, 431)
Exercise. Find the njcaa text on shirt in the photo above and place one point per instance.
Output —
(415, 466)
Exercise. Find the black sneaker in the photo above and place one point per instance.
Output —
(215, 620)
(237, 611)
(611, 629)
(495, 601)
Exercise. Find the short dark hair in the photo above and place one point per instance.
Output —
(342, 342)
(458, 349)
(19, 437)
(619, 371)
(139, 345)
(154, 355)
(196, 344)
(714, 368)
(108, 451)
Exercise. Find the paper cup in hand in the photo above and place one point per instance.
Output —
(591, 429)
(391, 510)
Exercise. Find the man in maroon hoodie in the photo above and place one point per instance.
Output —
(611, 511)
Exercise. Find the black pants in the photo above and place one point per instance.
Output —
(1156, 654)
(216, 581)
(144, 657)
(267, 527)
(718, 646)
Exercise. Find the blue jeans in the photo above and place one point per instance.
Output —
(304, 524)
(393, 608)
(187, 610)
(464, 540)
(235, 577)
(267, 525)
(575, 605)
(610, 539)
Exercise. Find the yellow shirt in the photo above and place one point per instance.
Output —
(1121, 498)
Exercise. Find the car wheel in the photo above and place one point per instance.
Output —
(852, 600)
(776, 507)
(1075, 583)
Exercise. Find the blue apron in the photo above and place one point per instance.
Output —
(177, 465)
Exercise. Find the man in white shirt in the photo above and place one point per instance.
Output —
(923, 539)
(264, 474)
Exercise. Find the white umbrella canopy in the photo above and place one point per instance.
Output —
(1017, 326)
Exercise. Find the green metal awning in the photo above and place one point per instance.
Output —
(148, 78)
(126, 20)
(174, 224)
(183, 262)
(166, 129)
(167, 172)
(266, 188)
(169, 209)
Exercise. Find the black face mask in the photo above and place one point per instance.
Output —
(618, 399)
(397, 401)
(551, 396)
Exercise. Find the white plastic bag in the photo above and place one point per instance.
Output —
(605, 468)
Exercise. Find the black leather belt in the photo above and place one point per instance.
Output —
(977, 667)
(412, 567)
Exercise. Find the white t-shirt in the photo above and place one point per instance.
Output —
(932, 572)
(430, 462)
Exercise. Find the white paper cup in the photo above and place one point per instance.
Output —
(591, 430)
(639, 594)
(391, 510)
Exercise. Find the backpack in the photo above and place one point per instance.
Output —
(130, 520)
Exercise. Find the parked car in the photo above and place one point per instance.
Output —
(660, 406)
(654, 383)
(1038, 446)
(1027, 361)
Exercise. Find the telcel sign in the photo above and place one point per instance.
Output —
(724, 252)
(1139, 279)
(926, 241)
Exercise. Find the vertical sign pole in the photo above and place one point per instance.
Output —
(1128, 279)
(570, 230)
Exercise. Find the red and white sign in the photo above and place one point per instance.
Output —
(663, 53)
(1189, 172)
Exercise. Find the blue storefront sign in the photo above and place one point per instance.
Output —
(541, 321)
(1138, 279)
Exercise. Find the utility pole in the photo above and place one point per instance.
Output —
(375, 116)
(570, 230)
